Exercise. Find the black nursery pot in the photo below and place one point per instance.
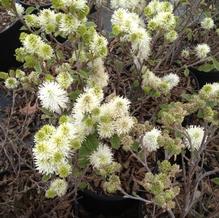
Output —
(205, 77)
(9, 41)
(107, 205)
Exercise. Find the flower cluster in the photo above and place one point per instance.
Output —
(33, 47)
(59, 23)
(162, 186)
(53, 148)
(111, 118)
(132, 29)
(19, 77)
(102, 161)
(152, 83)
(160, 17)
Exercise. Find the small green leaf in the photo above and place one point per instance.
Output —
(83, 185)
(215, 180)
(3, 75)
(84, 74)
(74, 94)
(115, 142)
(186, 72)
(206, 67)
(216, 63)
(135, 84)
(46, 178)
(29, 10)
(135, 146)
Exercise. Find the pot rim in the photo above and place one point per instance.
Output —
(9, 26)
(193, 69)
(103, 196)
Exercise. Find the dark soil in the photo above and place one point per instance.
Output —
(36, 2)
(5, 19)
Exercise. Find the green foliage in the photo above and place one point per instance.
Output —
(3, 75)
(215, 63)
(115, 142)
(206, 67)
(215, 180)
(6, 3)
(88, 146)
(172, 114)
(161, 185)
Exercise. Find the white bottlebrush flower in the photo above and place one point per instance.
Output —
(60, 143)
(215, 89)
(78, 4)
(172, 80)
(67, 130)
(44, 165)
(64, 79)
(86, 103)
(42, 150)
(150, 138)
(53, 97)
(150, 79)
(97, 91)
(102, 157)
(124, 125)
(171, 36)
(185, 53)
(45, 51)
(207, 23)
(125, 20)
(152, 8)
(140, 40)
(59, 186)
(44, 134)
(98, 45)
(210, 91)
(47, 20)
(119, 106)
(11, 83)
(68, 24)
(106, 130)
(42, 153)
(31, 43)
(196, 134)
(202, 50)
(163, 20)
(32, 20)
